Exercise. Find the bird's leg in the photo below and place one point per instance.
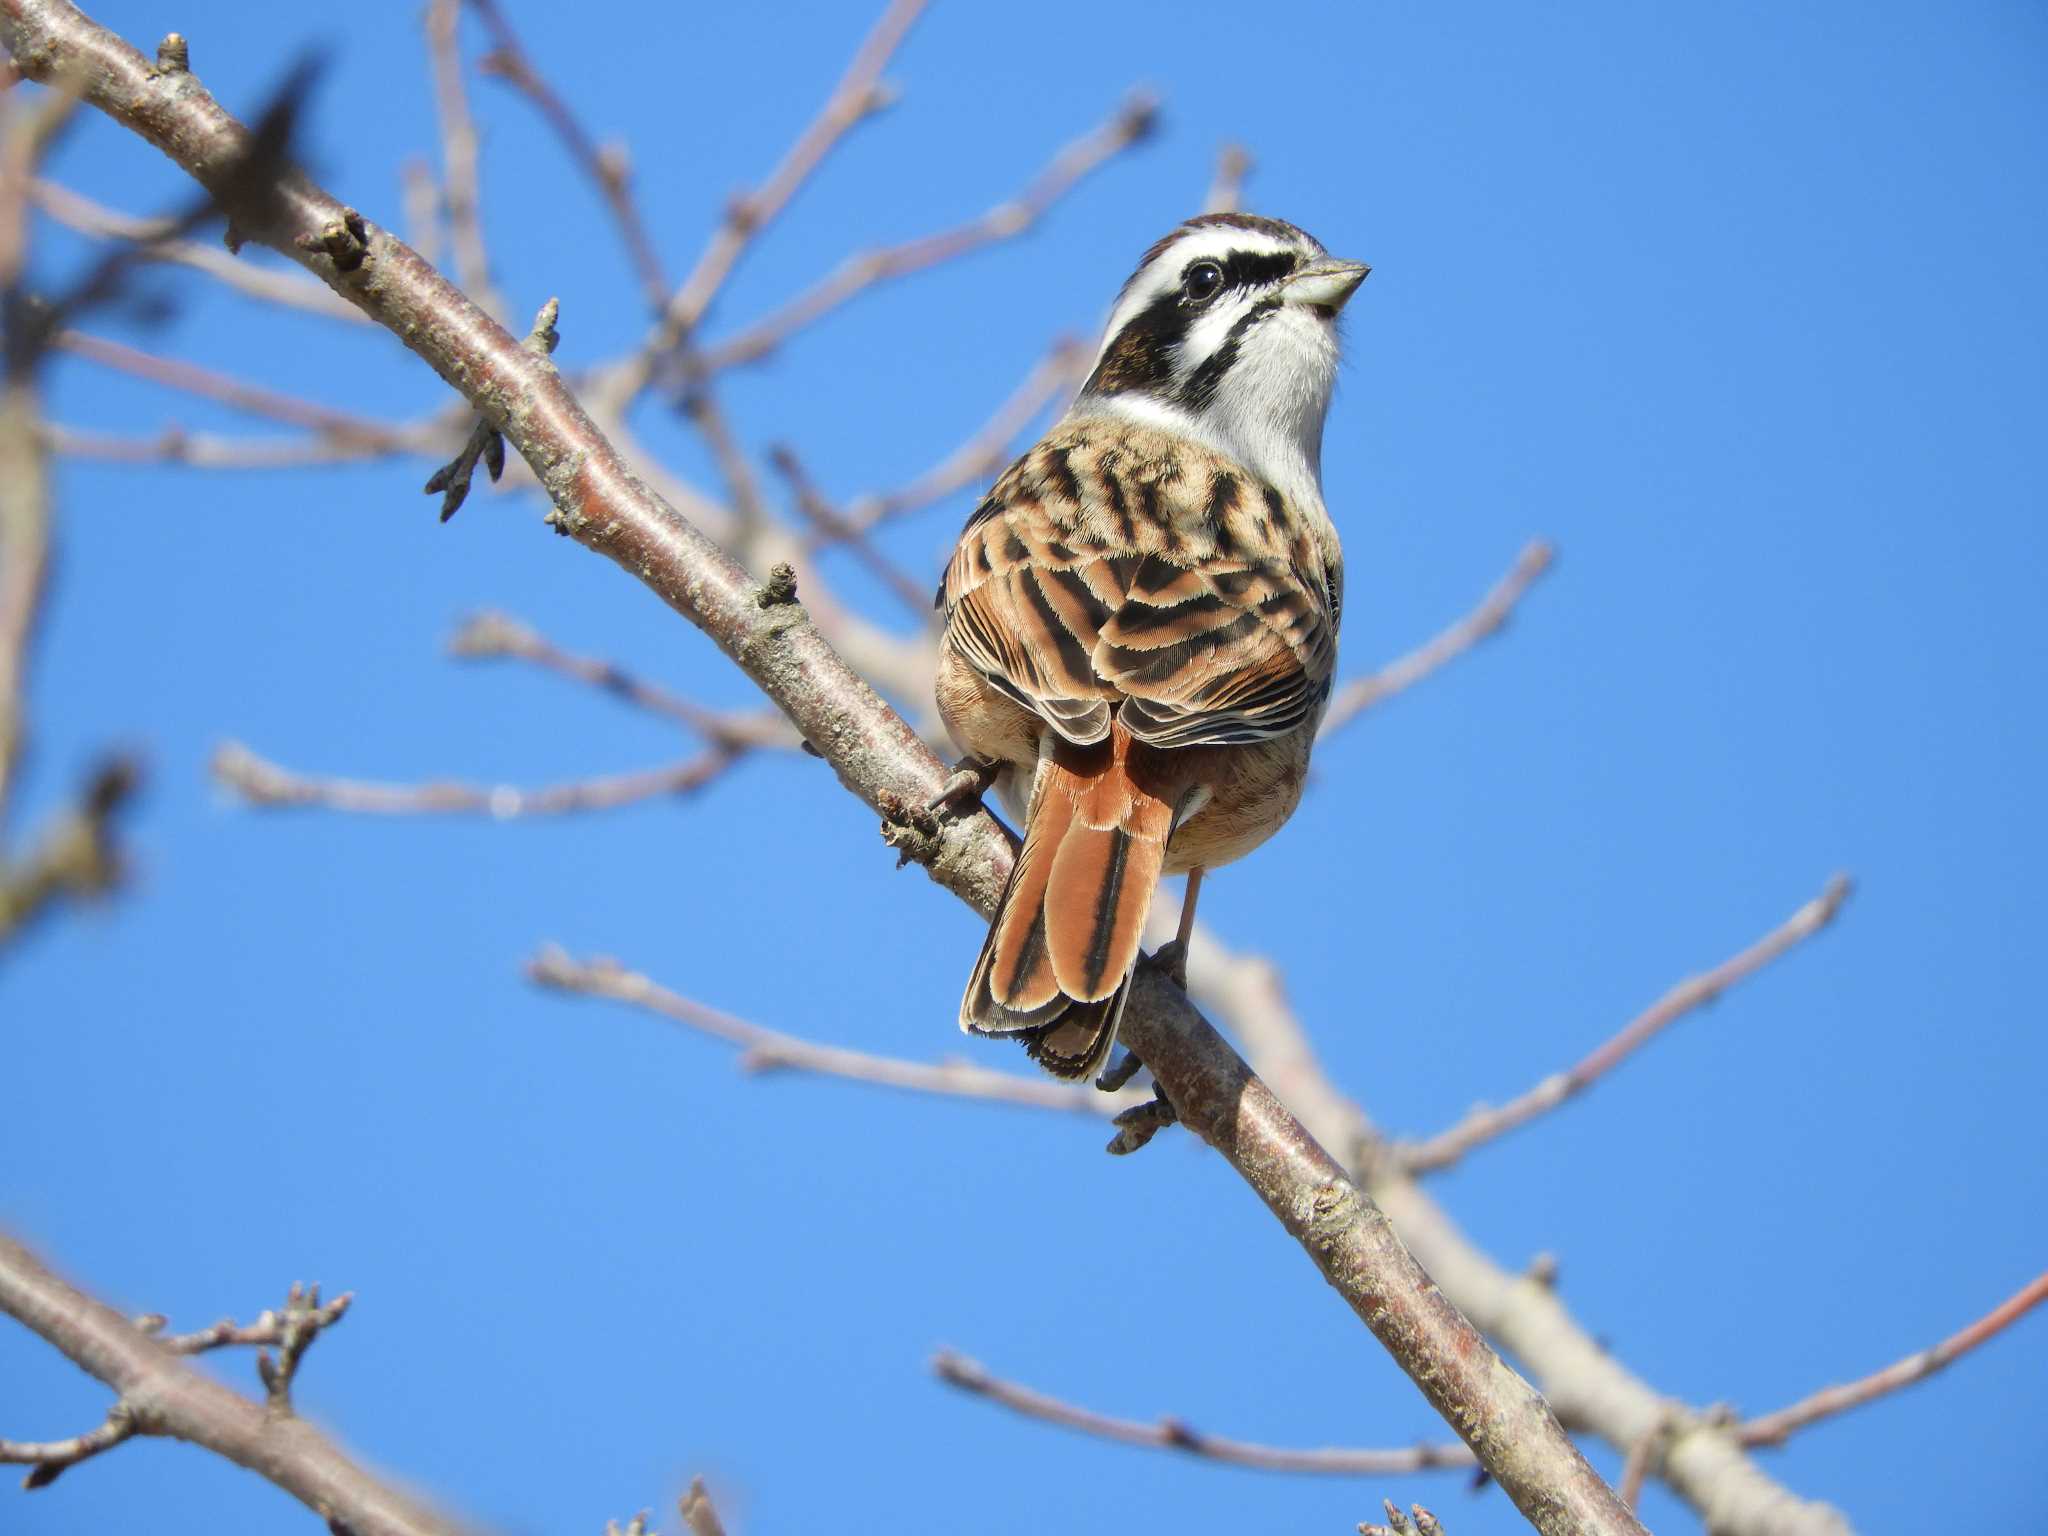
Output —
(967, 783)
(1135, 1127)
(1119, 1072)
(1172, 957)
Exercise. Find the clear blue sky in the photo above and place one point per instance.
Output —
(1742, 305)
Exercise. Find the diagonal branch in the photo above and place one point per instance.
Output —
(153, 241)
(876, 754)
(606, 166)
(1776, 1428)
(1133, 121)
(500, 635)
(770, 1050)
(1171, 1434)
(1404, 672)
(1487, 1123)
(858, 95)
(158, 1393)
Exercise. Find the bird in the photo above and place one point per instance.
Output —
(1140, 621)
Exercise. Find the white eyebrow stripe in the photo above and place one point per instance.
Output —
(1163, 274)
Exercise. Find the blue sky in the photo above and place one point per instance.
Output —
(1743, 306)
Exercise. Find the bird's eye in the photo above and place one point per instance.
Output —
(1204, 280)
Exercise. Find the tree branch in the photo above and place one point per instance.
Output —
(875, 752)
(606, 166)
(1172, 1434)
(1486, 1124)
(1133, 121)
(1356, 697)
(486, 635)
(1776, 1428)
(159, 1394)
(264, 783)
(769, 1050)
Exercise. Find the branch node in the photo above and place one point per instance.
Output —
(779, 588)
(173, 55)
(345, 241)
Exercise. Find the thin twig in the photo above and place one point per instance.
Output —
(1361, 694)
(158, 1392)
(1774, 1428)
(769, 1050)
(827, 520)
(698, 1512)
(76, 855)
(460, 180)
(605, 165)
(1226, 190)
(1173, 1434)
(490, 635)
(858, 95)
(1486, 1123)
(1133, 121)
(208, 450)
(983, 455)
(261, 782)
(288, 287)
(191, 379)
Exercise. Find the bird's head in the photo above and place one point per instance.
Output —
(1227, 331)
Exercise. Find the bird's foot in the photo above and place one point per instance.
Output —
(964, 788)
(1172, 958)
(1135, 1127)
(1119, 1072)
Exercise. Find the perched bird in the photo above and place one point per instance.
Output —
(1141, 620)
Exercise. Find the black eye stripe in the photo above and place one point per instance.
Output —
(1247, 269)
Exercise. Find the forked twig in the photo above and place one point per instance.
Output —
(1133, 121)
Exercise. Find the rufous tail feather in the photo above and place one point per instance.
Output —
(1056, 967)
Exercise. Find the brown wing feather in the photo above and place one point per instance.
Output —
(1114, 570)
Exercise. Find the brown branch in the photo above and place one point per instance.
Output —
(606, 166)
(24, 561)
(189, 378)
(158, 1393)
(263, 783)
(488, 635)
(1775, 1428)
(461, 184)
(828, 522)
(1487, 1123)
(208, 450)
(1172, 1434)
(698, 1512)
(148, 236)
(858, 95)
(983, 455)
(1361, 694)
(769, 1050)
(1420, 1523)
(1589, 1387)
(877, 755)
(1226, 190)
(1007, 220)
(76, 855)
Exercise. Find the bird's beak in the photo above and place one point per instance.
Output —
(1326, 283)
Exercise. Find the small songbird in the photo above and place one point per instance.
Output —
(1141, 620)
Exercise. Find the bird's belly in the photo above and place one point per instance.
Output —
(1253, 790)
